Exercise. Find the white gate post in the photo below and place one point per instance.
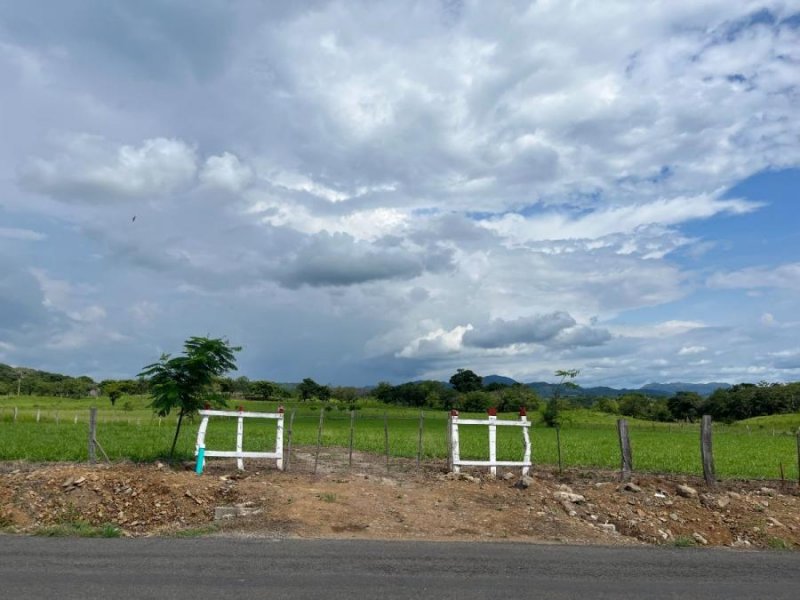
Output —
(455, 455)
(201, 435)
(239, 436)
(523, 416)
(279, 439)
(493, 440)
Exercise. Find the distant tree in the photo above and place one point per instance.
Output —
(112, 389)
(465, 381)
(510, 398)
(685, 405)
(184, 383)
(263, 390)
(496, 386)
(635, 404)
(346, 394)
(308, 388)
(476, 401)
(606, 405)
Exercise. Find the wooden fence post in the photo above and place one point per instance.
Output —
(352, 434)
(798, 456)
(558, 443)
(706, 451)
(449, 438)
(625, 449)
(419, 442)
(289, 441)
(92, 434)
(319, 438)
(386, 438)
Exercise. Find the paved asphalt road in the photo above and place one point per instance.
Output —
(240, 569)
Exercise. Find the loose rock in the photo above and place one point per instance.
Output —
(700, 539)
(569, 497)
(524, 482)
(686, 491)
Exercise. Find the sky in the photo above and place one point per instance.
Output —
(389, 191)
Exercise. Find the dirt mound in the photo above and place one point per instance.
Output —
(576, 507)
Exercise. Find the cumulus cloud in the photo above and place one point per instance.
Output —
(436, 343)
(340, 260)
(90, 169)
(525, 330)
(226, 172)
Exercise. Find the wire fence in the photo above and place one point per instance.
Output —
(411, 440)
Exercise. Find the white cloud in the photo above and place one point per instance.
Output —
(26, 235)
(782, 277)
(226, 172)
(615, 219)
(92, 170)
(692, 350)
(436, 342)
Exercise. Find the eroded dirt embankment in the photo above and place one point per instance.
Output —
(581, 507)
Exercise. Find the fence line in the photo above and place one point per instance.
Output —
(737, 451)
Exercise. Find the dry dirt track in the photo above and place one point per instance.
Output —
(244, 569)
(586, 507)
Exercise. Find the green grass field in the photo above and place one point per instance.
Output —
(753, 449)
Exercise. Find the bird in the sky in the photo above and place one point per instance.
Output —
(133, 219)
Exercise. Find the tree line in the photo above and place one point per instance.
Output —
(741, 401)
(464, 391)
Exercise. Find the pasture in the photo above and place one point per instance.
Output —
(751, 449)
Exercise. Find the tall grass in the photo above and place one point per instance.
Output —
(589, 439)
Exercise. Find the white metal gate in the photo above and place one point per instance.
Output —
(455, 451)
(239, 454)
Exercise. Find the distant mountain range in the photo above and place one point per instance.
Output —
(546, 390)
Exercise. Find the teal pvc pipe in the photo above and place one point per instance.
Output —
(201, 458)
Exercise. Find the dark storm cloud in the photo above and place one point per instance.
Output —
(339, 260)
(525, 330)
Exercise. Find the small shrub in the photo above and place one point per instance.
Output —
(777, 543)
(127, 406)
(79, 529)
(327, 497)
(194, 532)
(684, 541)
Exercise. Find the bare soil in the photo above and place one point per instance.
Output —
(403, 502)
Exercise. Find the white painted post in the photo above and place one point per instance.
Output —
(454, 449)
(493, 440)
(525, 436)
(38, 414)
(239, 436)
(15, 414)
(279, 439)
(201, 435)
(75, 420)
